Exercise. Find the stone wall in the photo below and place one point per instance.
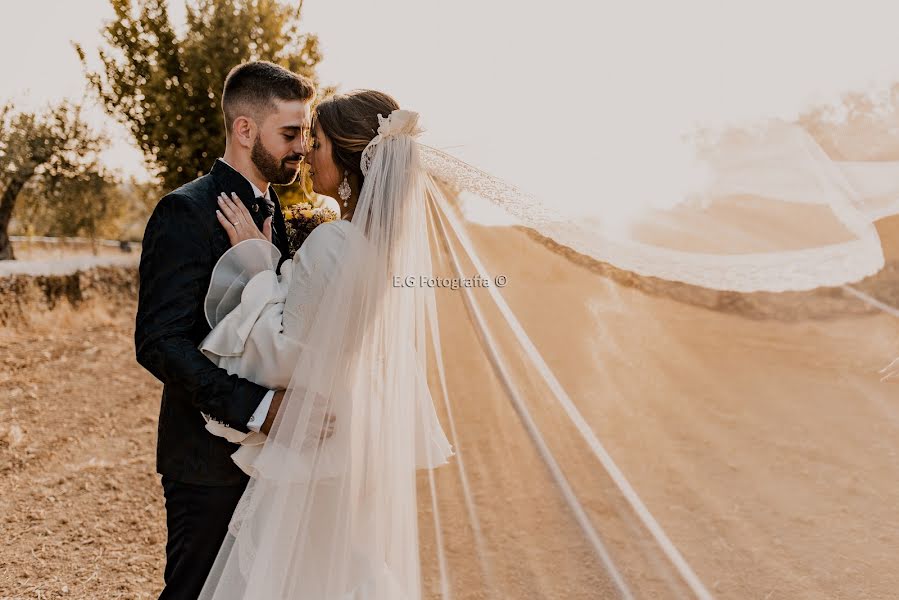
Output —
(24, 295)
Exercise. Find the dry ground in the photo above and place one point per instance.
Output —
(772, 464)
(81, 506)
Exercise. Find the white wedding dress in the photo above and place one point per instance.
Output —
(335, 519)
(259, 320)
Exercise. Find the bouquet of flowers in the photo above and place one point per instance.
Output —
(301, 219)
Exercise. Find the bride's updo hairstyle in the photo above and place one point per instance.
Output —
(351, 121)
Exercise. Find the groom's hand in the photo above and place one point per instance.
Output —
(327, 428)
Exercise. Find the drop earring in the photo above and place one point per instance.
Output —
(344, 190)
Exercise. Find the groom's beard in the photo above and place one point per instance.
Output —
(274, 170)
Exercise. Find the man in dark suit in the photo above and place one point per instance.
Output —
(267, 115)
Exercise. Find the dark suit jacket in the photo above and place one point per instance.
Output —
(182, 242)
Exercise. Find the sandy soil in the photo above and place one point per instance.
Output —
(81, 505)
(764, 446)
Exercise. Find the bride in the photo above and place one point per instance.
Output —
(330, 511)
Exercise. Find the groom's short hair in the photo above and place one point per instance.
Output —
(251, 90)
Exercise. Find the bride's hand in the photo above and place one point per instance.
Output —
(236, 220)
(321, 420)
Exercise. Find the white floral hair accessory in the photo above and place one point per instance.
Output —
(399, 122)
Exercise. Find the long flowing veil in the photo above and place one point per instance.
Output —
(687, 407)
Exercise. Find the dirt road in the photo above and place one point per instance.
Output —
(770, 460)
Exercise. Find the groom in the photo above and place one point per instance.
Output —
(267, 112)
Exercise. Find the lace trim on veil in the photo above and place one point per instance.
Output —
(784, 165)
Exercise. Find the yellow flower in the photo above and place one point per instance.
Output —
(307, 213)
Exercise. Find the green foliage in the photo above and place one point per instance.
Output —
(95, 206)
(57, 144)
(165, 86)
(55, 156)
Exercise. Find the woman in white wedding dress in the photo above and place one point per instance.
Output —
(330, 511)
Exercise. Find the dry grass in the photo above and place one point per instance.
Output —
(81, 504)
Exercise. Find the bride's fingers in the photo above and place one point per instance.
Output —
(322, 421)
(243, 211)
(230, 211)
(228, 225)
(326, 429)
(240, 206)
(233, 206)
(242, 215)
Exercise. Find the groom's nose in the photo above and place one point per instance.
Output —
(300, 146)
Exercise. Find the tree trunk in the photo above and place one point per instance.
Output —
(7, 203)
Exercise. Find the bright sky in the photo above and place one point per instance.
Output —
(568, 99)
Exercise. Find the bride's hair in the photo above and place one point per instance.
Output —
(351, 121)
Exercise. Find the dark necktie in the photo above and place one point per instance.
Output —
(266, 206)
(268, 211)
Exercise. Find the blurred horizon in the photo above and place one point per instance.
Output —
(558, 102)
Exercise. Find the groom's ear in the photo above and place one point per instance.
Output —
(243, 130)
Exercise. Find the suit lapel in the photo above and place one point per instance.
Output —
(279, 229)
(228, 180)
